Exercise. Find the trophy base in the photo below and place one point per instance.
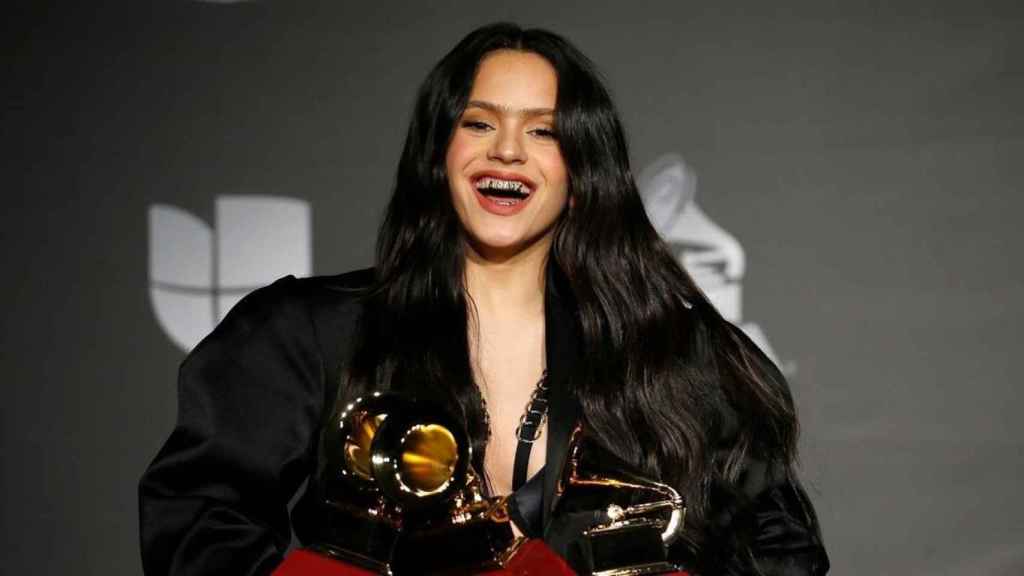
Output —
(479, 539)
(665, 569)
(631, 548)
(532, 558)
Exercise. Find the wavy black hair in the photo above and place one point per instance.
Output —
(667, 384)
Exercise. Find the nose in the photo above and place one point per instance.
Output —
(507, 147)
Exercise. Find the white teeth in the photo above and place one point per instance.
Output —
(488, 182)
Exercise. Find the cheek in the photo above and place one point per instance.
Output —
(557, 174)
(459, 153)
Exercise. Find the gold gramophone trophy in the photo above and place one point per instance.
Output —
(644, 517)
(400, 497)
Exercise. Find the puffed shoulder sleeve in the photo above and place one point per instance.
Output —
(250, 398)
(788, 538)
(780, 525)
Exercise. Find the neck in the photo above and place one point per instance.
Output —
(512, 286)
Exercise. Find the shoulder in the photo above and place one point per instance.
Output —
(327, 297)
(293, 307)
(317, 295)
(313, 290)
(345, 284)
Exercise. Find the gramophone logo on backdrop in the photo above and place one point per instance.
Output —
(712, 256)
(198, 272)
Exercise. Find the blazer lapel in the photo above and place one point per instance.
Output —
(562, 349)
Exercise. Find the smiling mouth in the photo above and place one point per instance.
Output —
(501, 191)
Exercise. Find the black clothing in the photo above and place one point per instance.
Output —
(253, 396)
(525, 506)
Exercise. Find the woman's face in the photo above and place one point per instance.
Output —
(505, 170)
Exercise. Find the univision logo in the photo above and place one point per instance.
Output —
(198, 272)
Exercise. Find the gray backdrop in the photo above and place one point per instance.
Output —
(866, 157)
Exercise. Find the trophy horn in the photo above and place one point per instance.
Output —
(385, 445)
(382, 456)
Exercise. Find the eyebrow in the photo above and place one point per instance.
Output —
(500, 109)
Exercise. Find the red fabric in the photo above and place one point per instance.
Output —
(305, 563)
(533, 559)
(536, 559)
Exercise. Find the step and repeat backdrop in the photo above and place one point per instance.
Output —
(842, 178)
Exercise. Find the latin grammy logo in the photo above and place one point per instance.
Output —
(713, 257)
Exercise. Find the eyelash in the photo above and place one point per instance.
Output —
(477, 125)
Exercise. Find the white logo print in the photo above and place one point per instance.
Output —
(197, 273)
(711, 255)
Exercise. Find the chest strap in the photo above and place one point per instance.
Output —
(530, 425)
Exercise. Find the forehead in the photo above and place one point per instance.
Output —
(515, 80)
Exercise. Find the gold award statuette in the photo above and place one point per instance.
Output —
(645, 517)
(399, 495)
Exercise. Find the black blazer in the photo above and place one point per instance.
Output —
(252, 398)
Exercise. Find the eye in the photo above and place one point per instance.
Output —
(546, 133)
(476, 125)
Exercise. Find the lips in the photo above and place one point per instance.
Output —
(502, 193)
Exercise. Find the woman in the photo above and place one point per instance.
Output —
(515, 249)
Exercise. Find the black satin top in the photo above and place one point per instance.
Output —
(251, 400)
(527, 506)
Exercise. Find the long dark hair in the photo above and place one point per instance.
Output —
(666, 383)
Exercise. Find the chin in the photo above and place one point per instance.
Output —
(505, 246)
(491, 244)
